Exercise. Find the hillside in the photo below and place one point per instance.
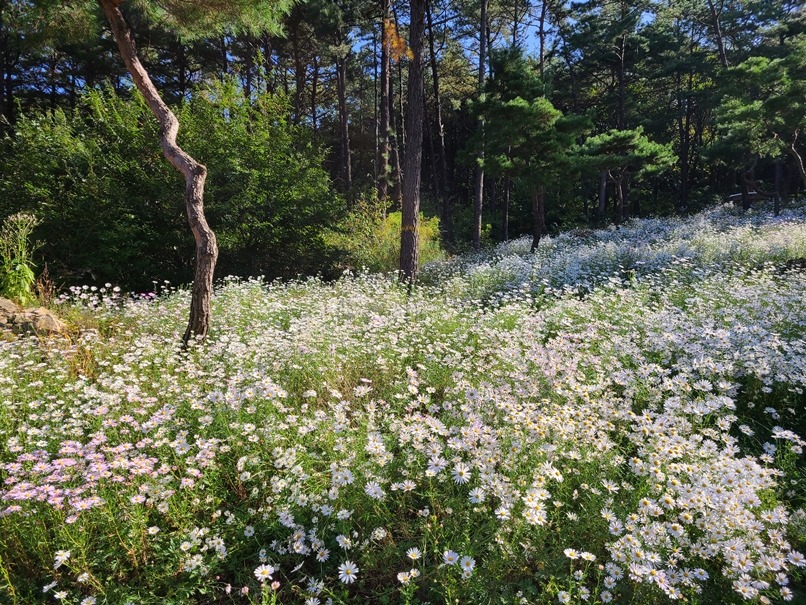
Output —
(616, 418)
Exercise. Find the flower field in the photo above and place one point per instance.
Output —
(617, 418)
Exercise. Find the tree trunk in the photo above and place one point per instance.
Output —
(445, 214)
(3, 53)
(793, 151)
(383, 128)
(720, 42)
(542, 34)
(194, 173)
(394, 145)
(622, 85)
(600, 211)
(182, 67)
(299, 79)
(433, 161)
(636, 204)
(683, 118)
(344, 129)
(619, 186)
(314, 92)
(745, 190)
(505, 208)
(538, 216)
(779, 179)
(478, 198)
(268, 64)
(414, 149)
(249, 67)
(443, 158)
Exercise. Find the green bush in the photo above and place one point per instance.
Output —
(370, 239)
(17, 276)
(112, 207)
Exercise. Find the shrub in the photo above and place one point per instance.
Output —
(370, 239)
(113, 208)
(17, 276)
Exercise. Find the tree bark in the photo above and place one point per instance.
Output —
(395, 145)
(779, 179)
(600, 210)
(478, 197)
(249, 67)
(538, 216)
(745, 190)
(314, 92)
(542, 34)
(194, 172)
(383, 128)
(505, 208)
(443, 158)
(299, 79)
(793, 151)
(344, 129)
(414, 149)
(445, 214)
(619, 186)
(720, 42)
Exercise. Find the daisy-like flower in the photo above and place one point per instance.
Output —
(88, 601)
(348, 571)
(264, 572)
(248, 531)
(373, 490)
(796, 559)
(588, 556)
(61, 558)
(563, 597)
(502, 513)
(571, 553)
(322, 555)
(461, 473)
(153, 530)
(467, 564)
(413, 553)
(476, 495)
(404, 577)
(450, 557)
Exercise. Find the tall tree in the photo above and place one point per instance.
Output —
(384, 169)
(764, 113)
(621, 154)
(189, 19)
(478, 193)
(415, 110)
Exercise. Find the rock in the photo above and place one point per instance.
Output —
(8, 307)
(39, 321)
(46, 322)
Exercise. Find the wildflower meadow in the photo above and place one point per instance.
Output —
(617, 418)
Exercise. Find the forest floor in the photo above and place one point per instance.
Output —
(615, 418)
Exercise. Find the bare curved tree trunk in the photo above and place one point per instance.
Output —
(194, 172)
